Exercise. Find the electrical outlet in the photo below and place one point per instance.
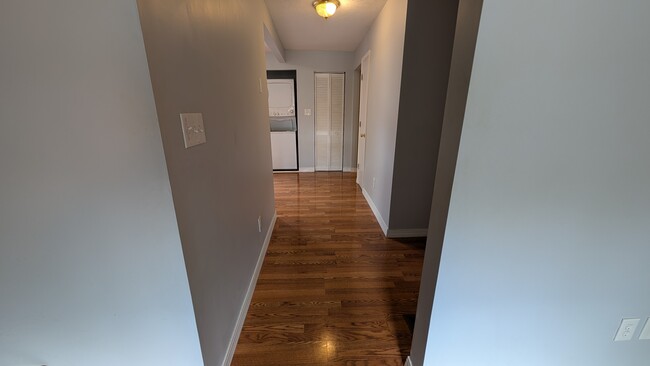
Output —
(645, 333)
(626, 329)
(373, 182)
(259, 224)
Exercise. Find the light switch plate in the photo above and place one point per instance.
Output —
(193, 130)
(645, 333)
(627, 329)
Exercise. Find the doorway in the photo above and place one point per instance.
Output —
(283, 119)
(363, 113)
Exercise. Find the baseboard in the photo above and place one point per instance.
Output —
(349, 170)
(285, 171)
(249, 294)
(407, 233)
(309, 169)
(375, 211)
(408, 361)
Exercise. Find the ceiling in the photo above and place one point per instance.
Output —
(300, 28)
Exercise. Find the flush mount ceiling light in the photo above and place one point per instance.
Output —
(326, 8)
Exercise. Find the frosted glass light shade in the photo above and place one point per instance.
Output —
(326, 8)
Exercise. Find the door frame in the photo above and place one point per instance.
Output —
(363, 117)
(288, 74)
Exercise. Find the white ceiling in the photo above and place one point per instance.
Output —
(300, 28)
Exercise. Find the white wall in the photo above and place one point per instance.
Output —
(385, 40)
(546, 244)
(207, 56)
(91, 268)
(306, 63)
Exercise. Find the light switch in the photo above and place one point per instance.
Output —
(645, 333)
(307, 112)
(626, 329)
(193, 130)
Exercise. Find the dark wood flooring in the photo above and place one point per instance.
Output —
(332, 290)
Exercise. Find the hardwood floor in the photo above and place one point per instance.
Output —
(332, 290)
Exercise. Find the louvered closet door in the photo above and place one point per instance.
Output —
(329, 121)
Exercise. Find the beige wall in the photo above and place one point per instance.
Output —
(208, 57)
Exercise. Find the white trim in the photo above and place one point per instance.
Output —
(349, 170)
(365, 73)
(408, 361)
(375, 211)
(407, 233)
(309, 169)
(249, 295)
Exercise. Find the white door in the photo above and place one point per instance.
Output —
(330, 89)
(363, 112)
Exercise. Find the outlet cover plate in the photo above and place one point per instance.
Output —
(193, 130)
(627, 329)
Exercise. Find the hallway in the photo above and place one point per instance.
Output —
(332, 290)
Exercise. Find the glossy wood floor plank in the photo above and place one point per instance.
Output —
(332, 290)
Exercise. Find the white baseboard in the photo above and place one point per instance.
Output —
(408, 361)
(309, 169)
(249, 294)
(407, 233)
(375, 211)
(349, 170)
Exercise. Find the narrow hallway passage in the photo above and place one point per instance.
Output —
(332, 290)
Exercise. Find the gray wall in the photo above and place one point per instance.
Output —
(469, 13)
(208, 56)
(91, 267)
(385, 40)
(306, 63)
(546, 243)
(271, 38)
(425, 72)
